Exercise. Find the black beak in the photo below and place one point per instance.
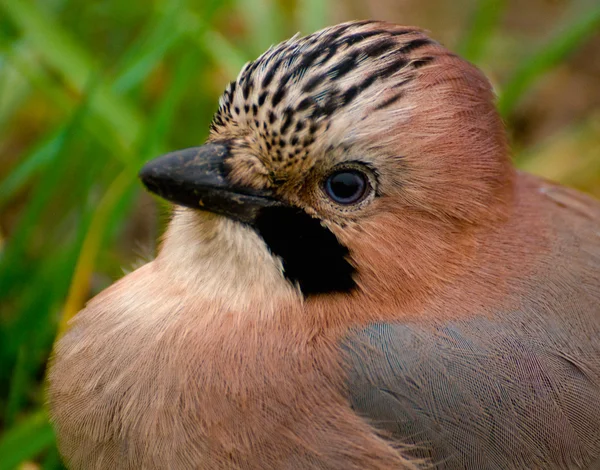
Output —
(197, 178)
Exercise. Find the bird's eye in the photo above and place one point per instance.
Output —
(347, 186)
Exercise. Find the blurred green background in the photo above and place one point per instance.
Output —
(90, 90)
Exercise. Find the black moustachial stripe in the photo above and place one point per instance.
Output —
(311, 255)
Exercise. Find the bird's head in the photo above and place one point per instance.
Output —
(362, 151)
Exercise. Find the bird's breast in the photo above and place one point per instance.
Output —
(170, 386)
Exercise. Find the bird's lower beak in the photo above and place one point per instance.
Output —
(198, 178)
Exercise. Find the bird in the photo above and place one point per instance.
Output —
(354, 276)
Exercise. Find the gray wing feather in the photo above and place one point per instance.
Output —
(480, 394)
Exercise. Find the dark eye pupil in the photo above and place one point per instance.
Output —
(346, 187)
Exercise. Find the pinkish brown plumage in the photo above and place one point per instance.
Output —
(359, 280)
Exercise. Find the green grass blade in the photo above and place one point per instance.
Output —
(18, 385)
(161, 34)
(52, 460)
(92, 244)
(16, 246)
(23, 59)
(104, 132)
(13, 88)
(548, 56)
(158, 37)
(164, 116)
(44, 154)
(481, 28)
(25, 441)
(61, 52)
(212, 43)
(108, 210)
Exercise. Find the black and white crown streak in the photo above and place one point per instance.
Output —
(288, 92)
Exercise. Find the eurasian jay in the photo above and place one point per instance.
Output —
(355, 277)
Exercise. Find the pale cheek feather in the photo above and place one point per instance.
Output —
(216, 259)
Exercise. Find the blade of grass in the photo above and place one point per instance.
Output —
(212, 43)
(30, 288)
(104, 132)
(25, 441)
(25, 227)
(61, 52)
(557, 49)
(13, 89)
(37, 302)
(163, 32)
(52, 460)
(164, 115)
(40, 287)
(41, 156)
(23, 58)
(481, 28)
(160, 34)
(91, 246)
(17, 387)
(106, 213)
(141, 57)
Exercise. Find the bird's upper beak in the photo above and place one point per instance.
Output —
(197, 177)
